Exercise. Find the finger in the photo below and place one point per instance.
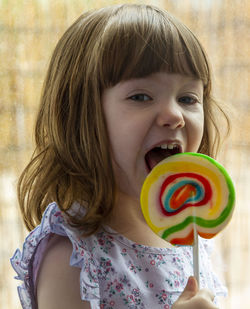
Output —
(190, 290)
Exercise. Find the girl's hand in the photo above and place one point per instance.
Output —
(193, 298)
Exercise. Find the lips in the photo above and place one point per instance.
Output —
(161, 152)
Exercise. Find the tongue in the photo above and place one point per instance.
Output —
(155, 156)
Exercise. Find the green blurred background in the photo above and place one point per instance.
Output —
(29, 30)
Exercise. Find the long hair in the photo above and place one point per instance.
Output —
(71, 162)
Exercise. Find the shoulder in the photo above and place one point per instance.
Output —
(58, 283)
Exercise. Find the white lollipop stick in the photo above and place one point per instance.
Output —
(196, 262)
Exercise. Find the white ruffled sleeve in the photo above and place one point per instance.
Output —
(26, 262)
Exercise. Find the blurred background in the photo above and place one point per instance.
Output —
(29, 30)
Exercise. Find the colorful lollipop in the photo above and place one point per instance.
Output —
(185, 195)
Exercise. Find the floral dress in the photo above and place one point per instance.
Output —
(115, 272)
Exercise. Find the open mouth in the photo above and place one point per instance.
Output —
(157, 154)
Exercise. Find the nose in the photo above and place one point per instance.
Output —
(170, 115)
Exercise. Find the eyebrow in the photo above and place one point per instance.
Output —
(149, 79)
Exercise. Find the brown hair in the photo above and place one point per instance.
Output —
(71, 162)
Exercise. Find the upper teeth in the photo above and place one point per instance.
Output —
(168, 146)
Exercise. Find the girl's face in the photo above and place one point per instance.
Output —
(149, 119)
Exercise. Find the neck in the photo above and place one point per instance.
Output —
(126, 214)
(127, 219)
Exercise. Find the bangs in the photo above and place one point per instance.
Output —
(140, 40)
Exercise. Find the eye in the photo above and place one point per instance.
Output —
(188, 100)
(141, 97)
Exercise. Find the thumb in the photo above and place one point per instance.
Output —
(190, 290)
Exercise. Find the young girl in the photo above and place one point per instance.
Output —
(127, 86)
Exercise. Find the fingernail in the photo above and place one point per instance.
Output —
(191, 282)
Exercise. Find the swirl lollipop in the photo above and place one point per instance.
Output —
(185, 195)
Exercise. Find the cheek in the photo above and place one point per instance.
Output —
(126, 136)
(122, 149)
(198, 125)
(199, 131)
(195, 133)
